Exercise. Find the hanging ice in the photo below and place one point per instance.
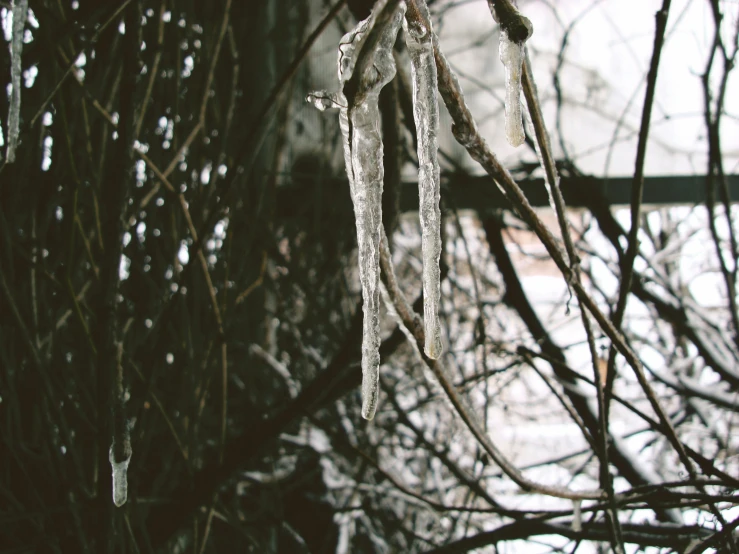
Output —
(368, 181)
(368, 174)
(20, 12)
(512, 55)
(359, 120)
(120, 474)
(576, 516)
(426, 115)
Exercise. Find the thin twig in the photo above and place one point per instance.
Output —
(466, 133)
(413, 323)
(250, 141)
(71, 66)
(214, 61)
(153, 72)
(637, 187)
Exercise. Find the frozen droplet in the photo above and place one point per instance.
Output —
(322, 100)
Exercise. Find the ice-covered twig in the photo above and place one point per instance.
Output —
(323, 100)
(20, 12)
(426, 115)
(279, 368)
(515, 29)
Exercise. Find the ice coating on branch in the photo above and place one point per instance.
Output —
(540, 157)
(426, 115)
(511, 54)
(349, 47)
(322, 100)
(120, 475)
(20, 12)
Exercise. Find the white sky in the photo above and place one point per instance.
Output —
(603, 77)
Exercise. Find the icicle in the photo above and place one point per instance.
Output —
(120, 477)
(368, 181)
(20, 12)
(511, 54)
(360, 126)
(426, 115)
(366, 149)
(576, 516)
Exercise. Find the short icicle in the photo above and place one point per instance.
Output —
(120, 475)
(511, 54)
(515, 30)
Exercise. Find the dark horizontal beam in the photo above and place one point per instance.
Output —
(479, 193)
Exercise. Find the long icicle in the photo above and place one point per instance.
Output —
(359, 120)
(367, 155)
(20, 12)
(426, 114)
